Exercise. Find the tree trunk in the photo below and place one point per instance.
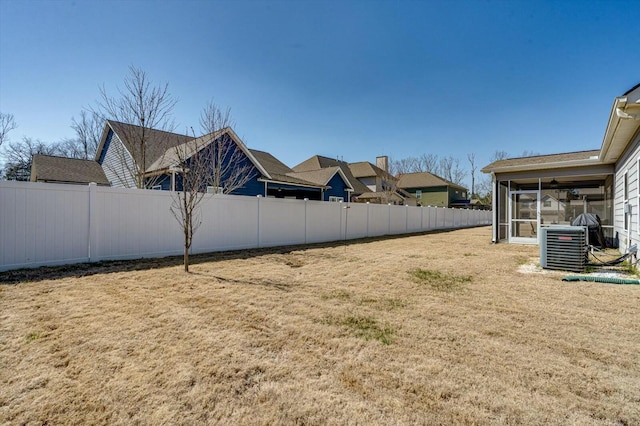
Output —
(186, 259)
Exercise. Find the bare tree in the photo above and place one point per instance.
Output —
(70, 148)
(499, 155)
(211, 161)
(405, 165)
(7, 124)
(472, 161)
(450, 170)
(147, 108)
(429, 163)
(88, 128)
(529, 153)
(19, 156)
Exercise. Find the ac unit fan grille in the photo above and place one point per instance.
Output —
(564, 248)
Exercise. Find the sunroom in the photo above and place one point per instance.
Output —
(533, 192)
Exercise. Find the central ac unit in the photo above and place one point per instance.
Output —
(564, 248)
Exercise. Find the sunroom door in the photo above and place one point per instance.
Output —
(524, 212)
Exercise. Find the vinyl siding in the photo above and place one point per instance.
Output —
(628, 164)
(337, 188)
(431, 196)
(455, 195)
(117, 163)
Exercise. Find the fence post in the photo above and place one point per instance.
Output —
(368, 219)
(305, 220)
(389, 219)
(93, 213)
(259, 219)
(406, 220)
(435, 217)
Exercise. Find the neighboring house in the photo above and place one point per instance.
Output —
(374, 177)
(382, 185)
(432, 190)
(602, 181)
(117, 159)
(120, 154)
(552, 209)
(370, 183)
(53, 169)
(318, 162)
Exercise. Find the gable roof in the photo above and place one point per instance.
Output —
(319, 162)
(321, 176)
(50, 168)
(158, 141)
(316, 162)
(363, 169)
(171, 157)
(425, 180)
(277, 170)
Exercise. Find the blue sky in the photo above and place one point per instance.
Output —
(336, 78)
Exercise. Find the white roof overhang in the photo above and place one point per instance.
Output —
(624, 122)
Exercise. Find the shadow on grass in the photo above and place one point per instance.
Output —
(105, 267)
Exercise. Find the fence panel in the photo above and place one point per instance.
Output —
(135, 223)
(43, 224)
(228, 223)
(378, 220)
(398, 220)
(282, 222)
(324, 221)
(414, 219)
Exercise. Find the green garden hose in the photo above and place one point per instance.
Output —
(600, 279)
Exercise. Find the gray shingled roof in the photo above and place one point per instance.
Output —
(319, 162)
(541, 160)
(172, 155)
(363, 169)
(277, 169)
(319, 176)
(49, 168)
(424, 180)
(158, 141)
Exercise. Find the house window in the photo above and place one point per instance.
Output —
(464, 195)
(546, 203)
(215, 190)
(419, 194)
(335, 199)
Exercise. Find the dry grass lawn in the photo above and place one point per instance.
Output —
(430, 329)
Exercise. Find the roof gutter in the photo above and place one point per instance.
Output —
(292, 184)
(621, 110)
(548, 166)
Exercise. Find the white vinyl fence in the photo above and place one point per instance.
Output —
(53, 224)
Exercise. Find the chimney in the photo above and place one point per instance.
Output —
(383, 162)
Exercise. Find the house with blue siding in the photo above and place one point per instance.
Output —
(158, 165)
